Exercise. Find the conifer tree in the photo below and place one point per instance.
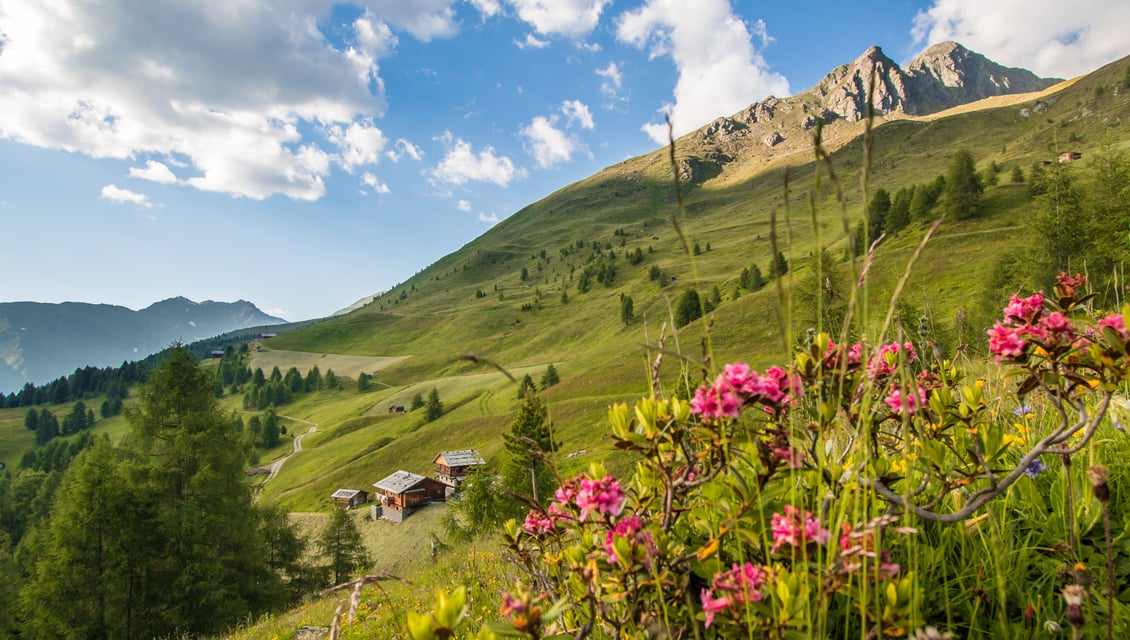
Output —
(530, 440)
(341, 544)
(433, 409)
(550, 377)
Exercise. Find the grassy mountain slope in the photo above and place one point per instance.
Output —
(472, 300)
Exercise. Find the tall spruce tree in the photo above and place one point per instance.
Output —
(341, 544)
(963, 186)
(529, 442)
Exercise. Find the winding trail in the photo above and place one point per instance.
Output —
(277, 464)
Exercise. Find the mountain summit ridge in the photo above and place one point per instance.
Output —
(40, 341)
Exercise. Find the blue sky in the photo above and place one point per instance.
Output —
(303, 154)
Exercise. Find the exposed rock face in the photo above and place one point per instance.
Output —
(948, 74)
(943, 76)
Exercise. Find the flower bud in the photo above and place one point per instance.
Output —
(1074, 594)
(1098, 475)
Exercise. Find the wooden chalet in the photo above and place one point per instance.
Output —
(452, 467)
(1069, 156)
(403, 492)
(350, 498)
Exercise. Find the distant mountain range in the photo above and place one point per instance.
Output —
(40, 342)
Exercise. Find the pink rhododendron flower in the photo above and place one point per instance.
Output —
(886, 361)
(537, 523)
(1066, 286)
(1005, 342)
(1024, 309)
(796, 529)
(631, 529)
(706, 403)
(602, 496)
(1118, 323)
(909, 402)
(1056, 322)
(740, 585)
(737, 377)
(792, 456)
(712, 605)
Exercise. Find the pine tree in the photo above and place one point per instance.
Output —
(550, 377)
(341, 544)
(688, 309)
(963, 186)
(877, 212)
(417, 402)
(525, 386)
(899, 215)
(529, 441)
(627, 311)
(434, 408)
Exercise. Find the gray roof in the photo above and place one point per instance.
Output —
(461, 458)
(399, 482)
(346, 494)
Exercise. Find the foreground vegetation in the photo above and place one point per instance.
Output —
(703, 512)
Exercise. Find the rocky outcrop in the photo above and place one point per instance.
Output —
(948, 74)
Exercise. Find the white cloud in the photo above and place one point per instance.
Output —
(114, 193)
(231, 92)
(488, 218)
(155, 172)
(360, 143)
(610, 86)
(546, 143)
(424, 19)
(1061, 39)
(571, 18)
(404, 148)
(577, 111)
(277, 312)
(461, 164)
(374, 183)
(719, 70)
(487, 7)
(531, 42)
(463, 205)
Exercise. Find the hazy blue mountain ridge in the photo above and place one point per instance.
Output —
(41, 341)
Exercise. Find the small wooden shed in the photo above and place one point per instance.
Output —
(1069, 156)
(403, 492)
(350, 498)
(452, 467)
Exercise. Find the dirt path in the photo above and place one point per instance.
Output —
(277, 464)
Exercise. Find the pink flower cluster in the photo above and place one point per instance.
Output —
(735, 588)
(602, 496)
(1116, 322)
(797, 528)
(738, 385)
(640, 540)
(1025, 321)
(575, 500)
(886, 361)
(905, 400)
(854, 357)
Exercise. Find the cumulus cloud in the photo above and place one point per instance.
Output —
(487, 7)
(547, 144)
(551, 145)
(115, 194)
(404, 148)
(360, 143)
(461, 164)
(488, 218)
(531, 42)
(576, 111)
(719, 70)
(1061, 39)
(154, 172)
(424, 19)
(613, 79)
(374, 183)
(463, 205)
(233, 94)
(572, 18)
